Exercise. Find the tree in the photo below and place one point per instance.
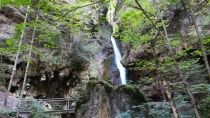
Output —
(18, 52)
(192, 99)
(27, 67)
(189, 10)
(164, 88)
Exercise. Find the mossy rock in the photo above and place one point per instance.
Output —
(132, 90)
(92, 83)
(89, 86)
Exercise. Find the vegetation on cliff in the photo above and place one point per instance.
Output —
(168, 62)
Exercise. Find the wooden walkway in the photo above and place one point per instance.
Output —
(27, 105)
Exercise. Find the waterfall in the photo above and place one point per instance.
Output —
(118, 57)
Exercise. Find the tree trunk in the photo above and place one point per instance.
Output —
(144, 12)
(18, 52)
(17, 56)
(205, 58)
(157, 62)
(192, 99)
(27, 67)
(159, 79)
(168, 93)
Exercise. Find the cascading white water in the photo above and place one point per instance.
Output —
(118, 56)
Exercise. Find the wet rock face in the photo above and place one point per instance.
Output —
(130, 56)
(6, 28)
(115, 76)
(102, 100)
(12, 13)
(43, 78)
(80, 59)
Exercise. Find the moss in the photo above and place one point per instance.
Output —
(116, 35)
(200, 88)
(106, 84)
(85, 93)
(116, 32)
(204, 108)
(6, 114)
(102, 19)
(178, 87)
(89, 86)
(116, 28)
(132, 90)
(37, 110)
(203, 93)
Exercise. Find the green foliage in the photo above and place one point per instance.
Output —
(49, 38)
(181, 100)
(6, 113)
(168, 69)
(11, 45)
(175, 40)
(133, 23)
(38, 110)
(201, 90)
(132, 90)
(150, 110)
(204, 108)
(206, 40)
(193, 71)
(159, 111)
(72, 16)
(14, 2)
(164, 4)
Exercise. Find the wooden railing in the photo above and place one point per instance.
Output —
(27, 105)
